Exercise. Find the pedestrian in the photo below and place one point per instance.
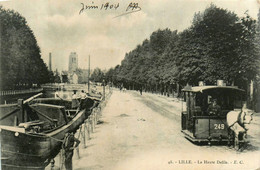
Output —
(83, 97)
(83, 94)
(141, 90)
(94, 90)
(69, 144)
(121, 87)
(75, 102)
(56, 94)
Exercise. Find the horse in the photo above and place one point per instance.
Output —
(238, 121)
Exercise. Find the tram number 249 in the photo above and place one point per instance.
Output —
(219, 126)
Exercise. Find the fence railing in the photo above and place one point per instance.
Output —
(15, 92)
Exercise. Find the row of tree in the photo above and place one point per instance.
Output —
(218, 45)
(21, 64)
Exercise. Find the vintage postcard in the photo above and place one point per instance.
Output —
(130, 85)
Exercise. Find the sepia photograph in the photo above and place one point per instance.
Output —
(130, 85)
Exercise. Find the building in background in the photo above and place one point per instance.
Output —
(73, 62)
(83, 76)
(75, 74)
(73, 68)
(74, 79)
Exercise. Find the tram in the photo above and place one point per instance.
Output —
(202, 122)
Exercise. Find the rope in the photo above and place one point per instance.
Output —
(55, 139)
(18, 166)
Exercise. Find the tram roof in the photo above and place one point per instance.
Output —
(203, 88)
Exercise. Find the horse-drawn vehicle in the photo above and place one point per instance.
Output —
(215, 114)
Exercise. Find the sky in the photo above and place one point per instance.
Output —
(60, 28)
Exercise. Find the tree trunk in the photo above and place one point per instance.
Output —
(178, 89)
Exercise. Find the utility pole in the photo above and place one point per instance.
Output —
(88, 72)
(104, 89)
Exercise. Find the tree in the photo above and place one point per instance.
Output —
(109, 75)
(21, 63)
(57, 78)
(218, 45)
(97, 75)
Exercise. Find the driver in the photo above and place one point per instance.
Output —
(214, 109)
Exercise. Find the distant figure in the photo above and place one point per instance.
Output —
(74, 95)
(56, 94)
(121, 87)
(83, 95)
(69, 144)
(94, 90)
(141, 90)
(214, 109)
(75, 102)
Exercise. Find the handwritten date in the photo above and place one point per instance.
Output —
(132, 7)
(105, 6)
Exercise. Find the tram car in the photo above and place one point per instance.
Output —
(205, 117)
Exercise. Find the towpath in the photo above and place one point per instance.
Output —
(142, 132)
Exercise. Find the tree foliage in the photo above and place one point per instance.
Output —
(218, 45)
(21, 62)
(97, 75)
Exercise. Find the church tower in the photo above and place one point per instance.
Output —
(73, 62)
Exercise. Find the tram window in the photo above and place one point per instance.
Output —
(224, 102)
(197, 100)
(237, 102)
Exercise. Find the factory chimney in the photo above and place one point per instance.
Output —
(50, 62)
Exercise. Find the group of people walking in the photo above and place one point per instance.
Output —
(122, 88)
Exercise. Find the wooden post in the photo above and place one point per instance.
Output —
(98, 111)
(95, 111)
(15, 121)
(88, 128)
(104, 90)
(96, 116)
(61, 159)
(93, 123)
(82, 133)
(88, 73)
(20, 103)
(90, 123)
(77, 150)
(93, 120)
